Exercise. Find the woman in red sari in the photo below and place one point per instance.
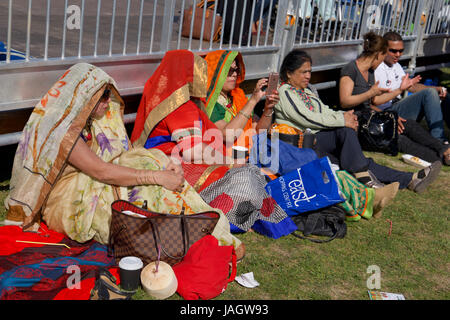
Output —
(172, 118)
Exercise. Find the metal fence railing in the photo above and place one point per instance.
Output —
(128, 38)
(50, 29)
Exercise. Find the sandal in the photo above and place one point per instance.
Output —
(368, 179)
(106, 289)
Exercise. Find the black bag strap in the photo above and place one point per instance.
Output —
(298, 235)
(311, 223)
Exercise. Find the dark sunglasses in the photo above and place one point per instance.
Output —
(396, 50)
(106, 95)
(232, 70)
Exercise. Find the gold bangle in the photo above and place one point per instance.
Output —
(247, 116)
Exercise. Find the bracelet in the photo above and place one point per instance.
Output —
(145, 177)
(269, 115)
(247, 116)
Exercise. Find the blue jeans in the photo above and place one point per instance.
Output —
(426, 101)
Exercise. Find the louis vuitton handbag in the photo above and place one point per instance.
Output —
(145, 234)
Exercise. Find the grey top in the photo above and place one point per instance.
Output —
(360, 84)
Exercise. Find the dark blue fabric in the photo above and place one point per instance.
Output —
(270, 229)
(275, 230)
(156, 141)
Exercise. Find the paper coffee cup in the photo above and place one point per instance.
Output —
(130, 272)
(240, 152)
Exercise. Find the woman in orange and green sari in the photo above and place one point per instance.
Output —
(226, 103)
(233, 113)
(171, 117)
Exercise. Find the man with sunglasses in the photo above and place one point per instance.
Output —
(425, 100)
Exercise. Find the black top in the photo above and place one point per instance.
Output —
(360, 84)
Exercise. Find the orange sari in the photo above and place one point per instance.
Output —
(219, 63)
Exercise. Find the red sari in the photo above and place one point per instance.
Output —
(168, 118)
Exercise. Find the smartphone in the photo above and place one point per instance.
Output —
(272, 84)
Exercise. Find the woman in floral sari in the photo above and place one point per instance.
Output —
(171, 117)
(74, 159)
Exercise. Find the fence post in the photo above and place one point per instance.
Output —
(167, 25)
(284, 33)
(419, 27)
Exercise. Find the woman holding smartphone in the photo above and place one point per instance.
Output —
(226, 104)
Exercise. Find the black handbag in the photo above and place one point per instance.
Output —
(328, 222)
(378, 131)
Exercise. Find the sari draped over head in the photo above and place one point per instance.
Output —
(217, 108)
(77, 204)
(169, 120)
(48, 136)
(169, 117)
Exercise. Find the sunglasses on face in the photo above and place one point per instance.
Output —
(106, 95)
(232, 70)
(396, 50)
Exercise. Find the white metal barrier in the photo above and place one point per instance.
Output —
(128, 38)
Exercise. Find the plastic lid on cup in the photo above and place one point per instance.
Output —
(239, 148)
(131, 263)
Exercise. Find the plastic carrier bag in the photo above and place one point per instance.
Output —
(311, 187)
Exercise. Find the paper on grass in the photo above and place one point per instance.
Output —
(247, 280)
(377, 295)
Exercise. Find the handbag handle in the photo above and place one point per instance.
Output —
(184, 232)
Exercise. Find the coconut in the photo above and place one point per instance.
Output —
(159, 284)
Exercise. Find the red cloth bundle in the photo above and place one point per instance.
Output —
(204, 272)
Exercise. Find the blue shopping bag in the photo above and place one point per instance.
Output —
(311, 187)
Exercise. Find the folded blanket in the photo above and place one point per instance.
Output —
(41, 272)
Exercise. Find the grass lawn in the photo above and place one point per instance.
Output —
(413, 260)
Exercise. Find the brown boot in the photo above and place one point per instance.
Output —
(383, 196)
